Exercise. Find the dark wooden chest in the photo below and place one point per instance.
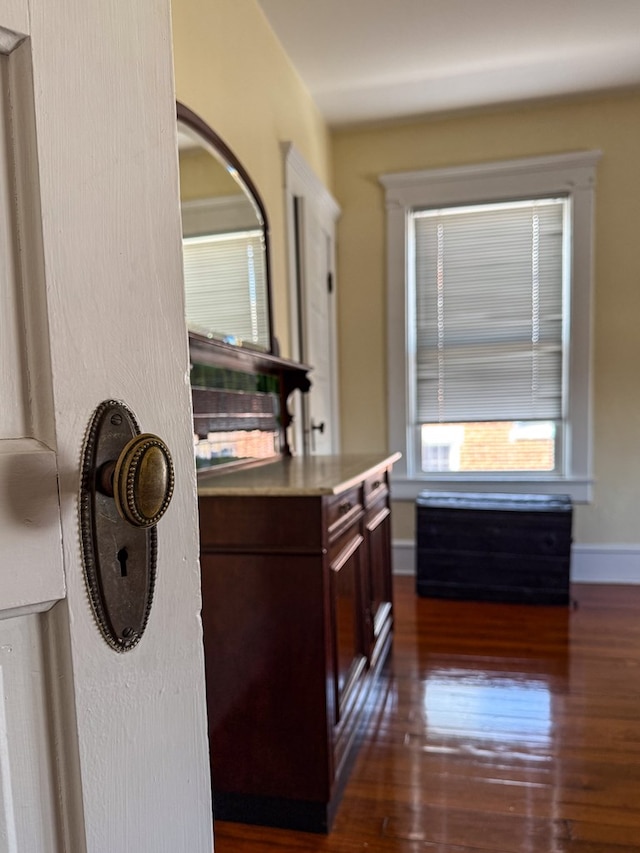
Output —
(494, 547)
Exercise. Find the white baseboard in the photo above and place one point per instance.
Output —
(589, 563)
(403, 556)
(605, 564)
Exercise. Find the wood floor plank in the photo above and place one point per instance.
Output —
(501, 729)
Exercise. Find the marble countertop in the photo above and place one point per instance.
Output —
(298, 475)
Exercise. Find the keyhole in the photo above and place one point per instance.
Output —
(123, 555)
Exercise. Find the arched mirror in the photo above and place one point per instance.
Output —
(225, 241)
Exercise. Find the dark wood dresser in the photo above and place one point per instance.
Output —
(298, 620)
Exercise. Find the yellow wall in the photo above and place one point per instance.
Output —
(611, 124)
(230, 69)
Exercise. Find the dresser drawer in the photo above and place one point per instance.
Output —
(248, 523)
(343, 510)
(343, 544)
(376, 487)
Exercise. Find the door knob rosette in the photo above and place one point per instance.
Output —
(127, 484)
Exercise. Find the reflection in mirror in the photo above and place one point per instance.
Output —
(225, 241)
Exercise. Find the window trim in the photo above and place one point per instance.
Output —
(572, 174)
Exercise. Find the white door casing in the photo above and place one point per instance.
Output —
(99, 751)
(311, 223)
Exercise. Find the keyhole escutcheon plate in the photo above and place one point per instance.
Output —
(119, 555)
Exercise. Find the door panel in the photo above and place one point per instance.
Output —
(26, 767)
(317, 328)
(379, 578)
(29, 509)
(92, 308)
(31, 574)
(346, 620)
(13, 418)
(31, 564)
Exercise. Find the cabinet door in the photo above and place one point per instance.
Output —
(378, 526)
(349, 649)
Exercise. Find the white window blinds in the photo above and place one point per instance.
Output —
(489, 311)
(225, 291)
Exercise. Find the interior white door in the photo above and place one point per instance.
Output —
(317, 333)
(312, 218)
(99, 751)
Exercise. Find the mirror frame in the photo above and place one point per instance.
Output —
(194, 122)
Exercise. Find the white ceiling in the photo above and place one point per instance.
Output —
(372, 60)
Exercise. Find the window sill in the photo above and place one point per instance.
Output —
(408, 488)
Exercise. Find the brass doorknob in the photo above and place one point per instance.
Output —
(141, 480)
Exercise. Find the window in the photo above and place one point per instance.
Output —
(489, 298)
(487, 285)
(436, 457)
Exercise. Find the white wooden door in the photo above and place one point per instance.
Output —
(316, 299)
(99, 751)
(312, 216)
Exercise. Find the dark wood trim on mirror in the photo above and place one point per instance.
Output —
(193, 120)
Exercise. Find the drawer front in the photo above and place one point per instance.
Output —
(345, 541)
(376, 487)
(377, 510)
(248, 523)
(343, 510)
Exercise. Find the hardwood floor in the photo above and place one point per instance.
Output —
(503, 729)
